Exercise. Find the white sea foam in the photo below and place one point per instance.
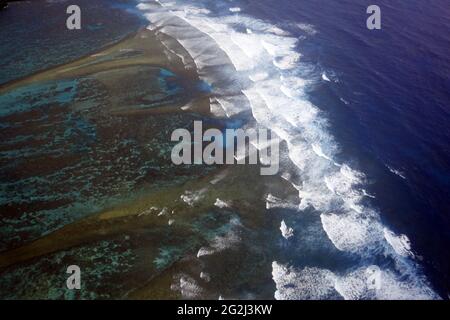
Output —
(260, 69)
(349, 232)
(307, 284)
(368, 283)
(400, 243)
(163, 212)
(397, 172)
(192, 197)
(222, 242)
(286, 232)
(221, 204)
(308, 28)
(325, 77)
(276, 202)
(188, 287)
(318, 150)
(364, 283)
(344, 101)
(148, 211)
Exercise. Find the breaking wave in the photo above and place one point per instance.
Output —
(254, 67)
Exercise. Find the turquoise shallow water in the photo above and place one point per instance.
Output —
(36, 95)
(65, 156)
(112, 268)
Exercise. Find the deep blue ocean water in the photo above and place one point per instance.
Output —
(389, 107)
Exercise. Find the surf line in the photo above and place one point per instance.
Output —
(236, 146)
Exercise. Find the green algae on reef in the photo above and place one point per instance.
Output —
(45, 278)
(87, 179)
(220, 242)
(72, 145)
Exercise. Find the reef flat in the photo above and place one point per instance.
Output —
(87, 179)
(72, 141)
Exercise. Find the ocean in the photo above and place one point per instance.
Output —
(363, 116)
(387, 107)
